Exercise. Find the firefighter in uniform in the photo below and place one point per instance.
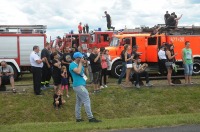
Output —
(46, 69)
(36, 68)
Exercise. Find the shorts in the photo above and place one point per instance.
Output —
(168, 65)
(57, 80)
(188, 69)
(96, 77)
(64, 81)
(5, 79)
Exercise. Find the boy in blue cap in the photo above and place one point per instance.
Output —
(79, 82)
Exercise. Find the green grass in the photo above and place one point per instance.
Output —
(107, 124)
(117, 107)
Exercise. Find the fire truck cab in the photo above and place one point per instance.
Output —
(149, 46)
(95, 39)
(17, 41)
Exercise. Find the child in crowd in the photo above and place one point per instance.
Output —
(104, 67)
(58, 100)
(64, 81)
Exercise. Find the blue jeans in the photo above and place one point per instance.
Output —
(122, 73)
(188, 69)
(82, 96)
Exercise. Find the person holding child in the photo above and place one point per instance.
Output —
(56, 73)
(57, 99)
(64, 81)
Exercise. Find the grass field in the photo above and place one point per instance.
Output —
(117, 107)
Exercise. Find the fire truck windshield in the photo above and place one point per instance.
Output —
(114, 41)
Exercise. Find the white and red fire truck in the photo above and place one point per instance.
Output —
(16, 44)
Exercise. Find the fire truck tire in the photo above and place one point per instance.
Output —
(16, 74)
(116, 69)
(196, 67)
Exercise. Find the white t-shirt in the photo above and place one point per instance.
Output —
(162, 55)
(33, 57)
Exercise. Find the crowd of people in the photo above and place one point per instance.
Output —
(134, 70)
(76, 66)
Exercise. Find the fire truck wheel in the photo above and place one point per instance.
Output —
(116, 69)
(16, 75)
(196, 67)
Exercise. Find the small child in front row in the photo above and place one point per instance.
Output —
(64, 81)
(57, 99)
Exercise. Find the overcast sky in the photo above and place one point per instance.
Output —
(61, 16)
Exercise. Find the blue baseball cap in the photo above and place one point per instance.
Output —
(77, 55)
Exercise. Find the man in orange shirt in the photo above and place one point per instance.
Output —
(80, 28)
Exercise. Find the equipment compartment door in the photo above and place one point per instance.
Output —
(152, 49)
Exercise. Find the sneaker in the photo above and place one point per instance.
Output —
(137, 86)
(43, 87)
(95, 91)
(14, 90)
(47, 86)
(149, 85)
(105, 86)
(79, 120)
(94, 120)
(101, 87)
(39, 94)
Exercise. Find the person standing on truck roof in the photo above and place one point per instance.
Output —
(80, 28)
(188, 62)
(7, 73)
(36, 68)
(170, 61)
(109, 21)
(46, 69)
(166, 16)
(84, 29)
(87, 28)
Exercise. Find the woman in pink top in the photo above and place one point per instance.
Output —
(104, 66)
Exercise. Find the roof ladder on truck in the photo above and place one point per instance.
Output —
(23, 29)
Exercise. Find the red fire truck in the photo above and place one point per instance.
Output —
(17, 41)
(149, 45)
(94, 39)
